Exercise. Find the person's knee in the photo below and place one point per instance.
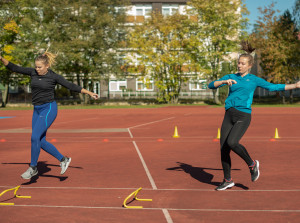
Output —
(232, 143)
(225, 150)
(35, 138)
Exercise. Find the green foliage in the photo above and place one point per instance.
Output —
(159, 50)
(296, 13)
(277, 43)
(85, 34)
(218, 32)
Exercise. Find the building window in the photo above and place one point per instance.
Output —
(28, 89)
(198, 85)
(169, 9)
(144, 85)
(97, 88)
(115, 85)
(13, 89)
(138, 13)
(143, 10)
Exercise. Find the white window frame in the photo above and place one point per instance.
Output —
(172, 9)
(28, 89)
(119, 83)
(146, 8)
(97, 89)
(143, 82)
(197, 83)
(13, 89)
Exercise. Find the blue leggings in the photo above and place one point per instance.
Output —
(42, 118)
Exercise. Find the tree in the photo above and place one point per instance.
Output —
(10, 37)
(218, 31)
(277, 43)
(296, 13)
(159, 50)
(85, 33)
(10, 30)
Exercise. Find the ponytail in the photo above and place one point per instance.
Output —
(246, 46)
(47, 58)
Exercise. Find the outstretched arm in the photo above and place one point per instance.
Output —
(15, 68)
(4, 61)
(229, 82)
(92, 94)
(73, 87)
(292, 86)
(225, 80)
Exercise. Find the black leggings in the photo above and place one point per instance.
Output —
(234, 126)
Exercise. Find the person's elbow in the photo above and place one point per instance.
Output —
(212, 85)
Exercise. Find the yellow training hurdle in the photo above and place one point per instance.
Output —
(135, 198)
(15, 195)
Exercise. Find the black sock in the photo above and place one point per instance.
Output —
(63, 159)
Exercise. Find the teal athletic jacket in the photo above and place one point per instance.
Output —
(240, 94)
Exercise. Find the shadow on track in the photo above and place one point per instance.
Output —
(43, 168)
(200, 174)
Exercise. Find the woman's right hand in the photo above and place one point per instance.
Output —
(4, 61)
(229, 82)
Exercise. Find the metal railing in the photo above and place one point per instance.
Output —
(152, 94)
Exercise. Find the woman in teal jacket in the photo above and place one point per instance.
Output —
(238, 113)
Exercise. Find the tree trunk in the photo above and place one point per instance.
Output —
(283, 98)
(5, 96)
(81, 96)
(108, 96)
(291, 96)
(216, 96)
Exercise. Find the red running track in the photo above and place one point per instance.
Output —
(116, 151)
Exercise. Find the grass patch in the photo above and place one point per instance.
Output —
(276, 105)
(116, 106)
(119, 106)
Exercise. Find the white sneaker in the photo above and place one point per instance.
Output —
(30, 172)
(65, 164)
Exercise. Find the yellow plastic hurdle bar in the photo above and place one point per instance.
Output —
(135, 198)
(15, 195)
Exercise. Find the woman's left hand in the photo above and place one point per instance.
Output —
(94, 95)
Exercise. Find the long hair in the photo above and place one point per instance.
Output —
(246, 46)
(47, 58)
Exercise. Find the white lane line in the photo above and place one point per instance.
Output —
(149, 123)
(80, 120)
(167, 216)
(168, 209)
(149, 189)
(103, 130)
(131, 136)
(231, 210)
(145, 167)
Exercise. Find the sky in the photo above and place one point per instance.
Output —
(252, 6)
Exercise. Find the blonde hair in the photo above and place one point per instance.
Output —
(47, 58)
(246, 46)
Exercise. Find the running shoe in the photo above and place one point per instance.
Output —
(30, 172)
(65, 164)
(254, 170)
(225, 184)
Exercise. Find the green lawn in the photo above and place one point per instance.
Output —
(139, 106)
